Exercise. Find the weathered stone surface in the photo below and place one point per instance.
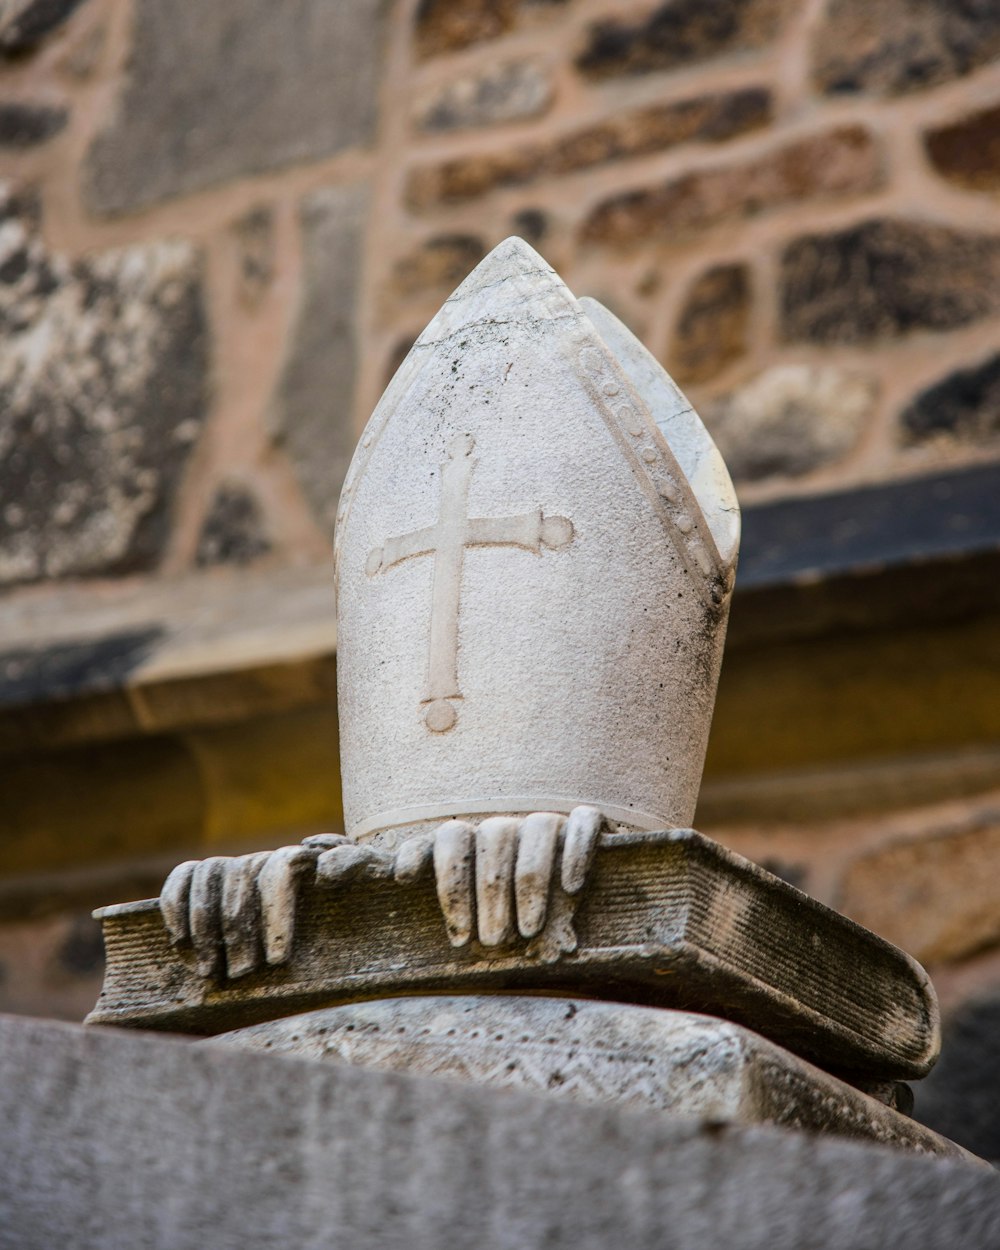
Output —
(669, 919)
(253, 234)
(678, 33)
(964, 406)
(590, 1052)
(441, 262)
(712, 327)
(23, 125)
(968, 151)
(792, 419)
(312, 416)
(234, 531)
(935, 895)
(884, 278)
(239, 87)
(838, 162)
(447, 25)
(500, 93)
(707, 119)
(103, 391)
(127, 1141)
(962, 1094)
(24, 23)
(902, 45)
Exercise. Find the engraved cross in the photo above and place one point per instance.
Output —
(446, 540)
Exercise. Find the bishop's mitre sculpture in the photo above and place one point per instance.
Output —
(535, 550)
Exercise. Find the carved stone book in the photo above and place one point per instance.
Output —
(668, 919)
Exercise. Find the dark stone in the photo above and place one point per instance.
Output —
(838, 162)
(968, 151)
(712, 327)
(233, 531)
(103, 391)
(965, 405)
(24, 125)
(312, 416)
(961, 1096)
(704, 119)
(235, 87)
(448, 25)
(531, 224)
(254, 235)
(677, 33)
(82, 950)
(24, 23)
(884, 278)
(68, 670)
(897, 46)
(440, 264)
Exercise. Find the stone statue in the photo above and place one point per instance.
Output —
(535, 549)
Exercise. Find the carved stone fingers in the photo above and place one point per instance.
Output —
(454, 845)
(496, 852)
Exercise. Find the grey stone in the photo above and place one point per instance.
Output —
(670, 919)
(24, 23)
(103, 391)
(898, 46)
(234, 531)
(23, 125)
(885, 278)
(312, 412)
(962, 1095)
(500, 93)
(792, 419)
(233, 88)
(584, 1051)
(965, 406)
(128, 1142)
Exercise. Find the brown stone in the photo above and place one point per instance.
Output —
(897, 46)
(438, 265)
(447, 25)
(964, 406)
(968, 151)
(705, 119)
(712, 327)
(884, 278)
(677, 33)
(935, 895)
(838, 162)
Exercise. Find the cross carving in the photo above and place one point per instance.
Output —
(446, 540)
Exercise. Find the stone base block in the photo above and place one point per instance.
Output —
(586, 1051)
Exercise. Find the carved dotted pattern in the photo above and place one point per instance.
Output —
(653, 460)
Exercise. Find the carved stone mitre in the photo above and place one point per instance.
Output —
(535, 549)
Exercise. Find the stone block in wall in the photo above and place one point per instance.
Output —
(24, 23)
(677, 33)
(711, 330)
(24, 125)
(312, 416)
(439, 264)
(843, 161)
(935, 896)
(967, 152)
(896, 46)
(103, 391)
(885, 277)
(448, 25)
(506, 92)
(704, 119)
(234, 530)
(791, 419)
(964, 406)
(962, 1093)
(236, 87)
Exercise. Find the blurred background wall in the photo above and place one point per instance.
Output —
(221, 227)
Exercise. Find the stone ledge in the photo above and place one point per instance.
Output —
(121, 1140)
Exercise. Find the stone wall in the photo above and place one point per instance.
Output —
(221, 227)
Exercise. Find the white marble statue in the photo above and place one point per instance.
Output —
(535, 549)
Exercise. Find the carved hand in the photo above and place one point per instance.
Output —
(493, 881)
